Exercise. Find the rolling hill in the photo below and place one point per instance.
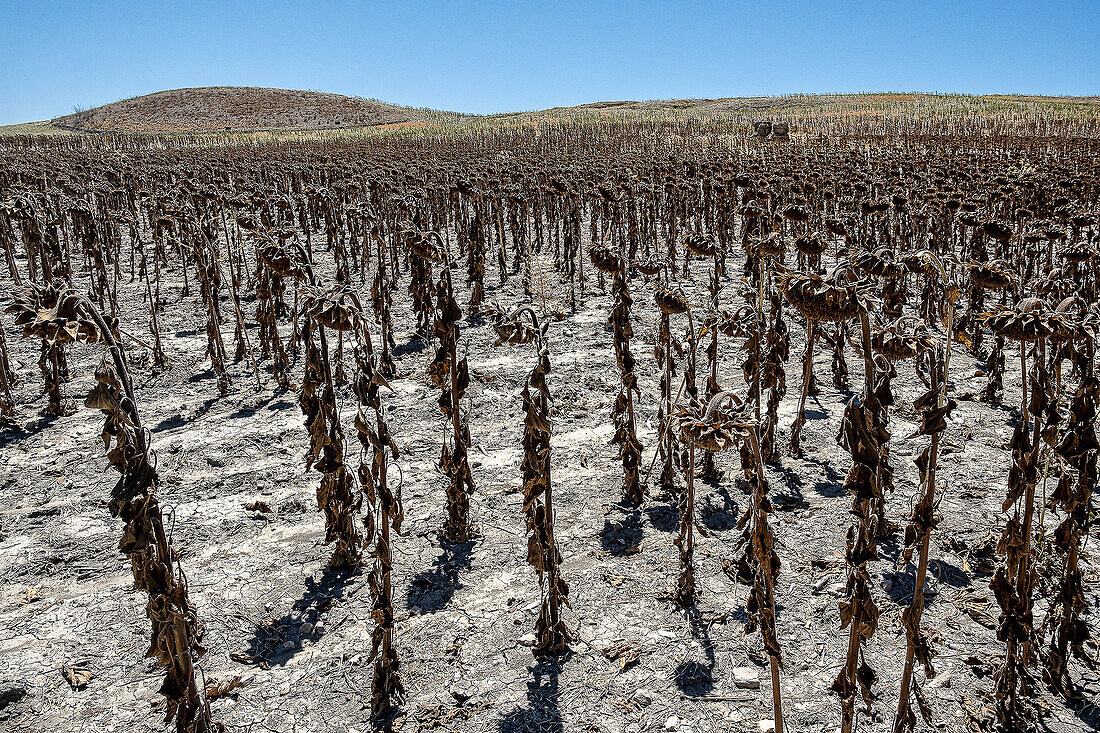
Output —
(287, 112)
(237, 109)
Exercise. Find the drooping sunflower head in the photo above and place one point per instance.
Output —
(510, 329)
(606, 261)
(336, 307)
(902, 339)
(993, 275)
(700, 244)
(1027, 321)
(279, 257)
(671, 302)
(714, 427)
(649, 265)
(837, 297)
(52, 312)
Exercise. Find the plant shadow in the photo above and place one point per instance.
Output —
(663, 517)
(790, 496)
(12, 432)
(902, 584)
(431, 589)
(720, 518)
(695, 677)
(276, 641)
(415, 345)
(622, 537)
(833, 485)
(177, 420)
(543, 712)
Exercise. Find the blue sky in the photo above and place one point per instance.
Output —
(505, 56)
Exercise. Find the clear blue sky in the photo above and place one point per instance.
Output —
(505, 56)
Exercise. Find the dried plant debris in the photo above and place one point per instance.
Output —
(622, 413)
(382, 522)
(176, 634)
(78, 676)
(452, 376)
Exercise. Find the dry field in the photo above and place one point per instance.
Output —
(580, 421)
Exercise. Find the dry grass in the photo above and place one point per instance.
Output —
(248, 115)
(32, 128)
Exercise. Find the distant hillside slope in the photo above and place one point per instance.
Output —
(217, 109)
(914, 102)
(867, 114)
(286, 113)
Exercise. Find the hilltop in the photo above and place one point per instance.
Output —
(237, 109)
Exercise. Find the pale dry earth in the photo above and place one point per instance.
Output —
(260, 582)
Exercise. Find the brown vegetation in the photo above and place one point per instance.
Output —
(234, 109)
(884, 235)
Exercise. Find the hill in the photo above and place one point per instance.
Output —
(240, 109)
(284, 113)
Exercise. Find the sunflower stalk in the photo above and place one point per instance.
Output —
(57, 314)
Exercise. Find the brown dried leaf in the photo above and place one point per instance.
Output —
(77, 676)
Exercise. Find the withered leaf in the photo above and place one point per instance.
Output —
(77, 676)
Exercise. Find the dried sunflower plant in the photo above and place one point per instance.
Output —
(552, 634)
(57, 314)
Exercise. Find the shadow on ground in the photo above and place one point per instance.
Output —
(542, 713)
(621, 537)
(431, 589)
(276, 641)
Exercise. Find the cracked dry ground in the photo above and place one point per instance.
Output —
(297, 634)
